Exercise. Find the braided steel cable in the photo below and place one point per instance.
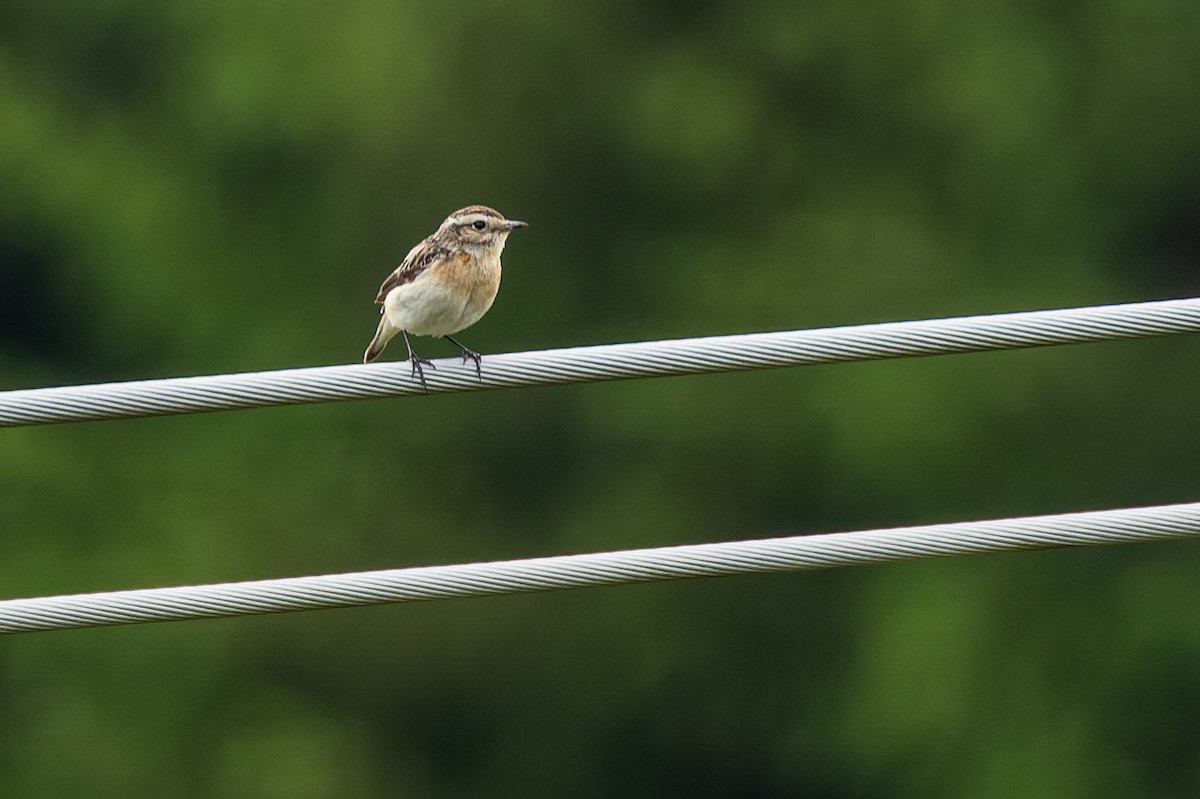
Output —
(608, 568)
(605, 362)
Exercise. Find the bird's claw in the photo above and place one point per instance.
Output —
(477, 358)
(419, 372)
(467, 352)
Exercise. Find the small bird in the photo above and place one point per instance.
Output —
(445, 284)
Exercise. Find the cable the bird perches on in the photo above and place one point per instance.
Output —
(604, 362)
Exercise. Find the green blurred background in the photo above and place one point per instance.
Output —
(202, 188)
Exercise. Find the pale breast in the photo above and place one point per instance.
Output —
(476, 278)
(451, 296)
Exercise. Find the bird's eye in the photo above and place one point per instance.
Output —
(479, 224)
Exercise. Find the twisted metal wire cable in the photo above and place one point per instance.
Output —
(605, 362)
(607, 568)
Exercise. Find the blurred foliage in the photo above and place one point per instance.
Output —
(199, 188)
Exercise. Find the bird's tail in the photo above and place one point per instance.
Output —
(383, 334)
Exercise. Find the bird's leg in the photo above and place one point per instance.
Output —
(417, 363)
(469, 353)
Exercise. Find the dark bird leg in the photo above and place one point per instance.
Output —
(417, 363)
(468, 353)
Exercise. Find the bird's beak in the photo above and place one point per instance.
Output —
(513, 224)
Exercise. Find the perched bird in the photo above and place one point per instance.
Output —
(445, 284)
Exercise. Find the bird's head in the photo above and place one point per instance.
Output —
(479, 226)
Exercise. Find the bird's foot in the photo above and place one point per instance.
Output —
(477, 358)
(418, 371)
(471, 354)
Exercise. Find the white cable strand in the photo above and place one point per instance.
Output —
(605, 362)
(608, 568)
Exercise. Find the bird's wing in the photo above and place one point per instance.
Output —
(419, 259)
